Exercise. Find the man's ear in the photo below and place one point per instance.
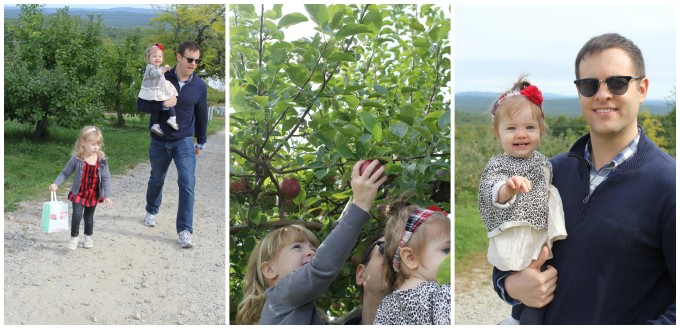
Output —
(360, 275)
(408, 258)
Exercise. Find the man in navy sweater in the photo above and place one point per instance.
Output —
(178, 145)
(617, 265)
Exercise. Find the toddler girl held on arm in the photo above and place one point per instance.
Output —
(288, 269)
(521, 209)
(416, 242)
(91, 183)
(156, 88)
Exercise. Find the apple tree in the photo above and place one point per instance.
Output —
(51, 66)
(371, 82)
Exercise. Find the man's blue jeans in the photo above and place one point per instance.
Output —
(161, 153)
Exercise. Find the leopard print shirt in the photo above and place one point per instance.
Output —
(529, 207)
(427, 303)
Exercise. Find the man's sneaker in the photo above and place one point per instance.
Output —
(185, 239)
(89, 243)
(156, 129)
(172, 122)
(150, 220)
(73, 243)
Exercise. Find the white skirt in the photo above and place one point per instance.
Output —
(516, 244)
(160, 93)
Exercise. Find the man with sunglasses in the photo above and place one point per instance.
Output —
(178, 145)
(617, 266)
(371, 278)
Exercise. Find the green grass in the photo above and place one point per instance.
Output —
(32, 165)
(470, 240)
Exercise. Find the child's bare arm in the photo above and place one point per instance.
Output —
(513, 186)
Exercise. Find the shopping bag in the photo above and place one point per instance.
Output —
(55, 215)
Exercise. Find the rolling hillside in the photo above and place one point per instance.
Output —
(117, 18)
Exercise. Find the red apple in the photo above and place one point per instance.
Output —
(238, 185)
(365, 165)
(290, 188)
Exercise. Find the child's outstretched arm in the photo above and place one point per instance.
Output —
(313, 279)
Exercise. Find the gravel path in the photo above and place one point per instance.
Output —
(134, 274)
(476, 301)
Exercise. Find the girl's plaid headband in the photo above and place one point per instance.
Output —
(417, 217)
(530, 92)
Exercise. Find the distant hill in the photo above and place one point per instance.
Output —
(554, 105)
(119, 18)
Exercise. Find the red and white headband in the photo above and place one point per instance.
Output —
(531, 92)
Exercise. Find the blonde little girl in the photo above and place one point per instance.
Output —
(416, 242)
(156, 88)
(521, 209)
(288, 269)
(91, 183)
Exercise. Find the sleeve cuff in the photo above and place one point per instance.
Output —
(500, 284)
(494, 196)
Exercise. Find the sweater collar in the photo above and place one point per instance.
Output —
(645, 148)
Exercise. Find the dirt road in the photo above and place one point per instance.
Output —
(134, 274)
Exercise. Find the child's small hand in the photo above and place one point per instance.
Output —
(365, 187)
(108, 202)
(166, 68)
(518, 184)
(53, 187)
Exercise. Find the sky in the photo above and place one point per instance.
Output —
(495, 43)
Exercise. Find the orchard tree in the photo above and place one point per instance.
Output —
(371, 83)
(51, 69)
(203, 23)
(122, 67)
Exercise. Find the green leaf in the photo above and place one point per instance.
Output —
(372, 104)
(444, 271)
(292, 19)
(352, 29)
(440, 31)
(407, 90)
(368, 120)
(444, 120)
(344, 151)
(297, 73)
(342, 57)
(371, 125)
(318, 13)
(353, 88)
(414, 24)
(400, 129)
(337, 20)
(260, 100)
(351, 100)
(379, 89)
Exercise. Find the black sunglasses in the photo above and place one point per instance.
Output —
(381, 250)
(191, 60)
(617, 85)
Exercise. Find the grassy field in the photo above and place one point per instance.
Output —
(470, 240)
(32, 165)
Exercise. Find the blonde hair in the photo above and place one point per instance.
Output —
(397, 213)
(89, 134)
(254, 285)
(511, 105)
